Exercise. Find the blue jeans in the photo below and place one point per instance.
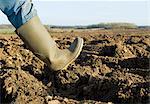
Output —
(18, 11)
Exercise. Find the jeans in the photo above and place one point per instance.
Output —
(18, 11)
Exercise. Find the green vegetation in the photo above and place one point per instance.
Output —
(101, 25)
(7, 31)
(113, 25)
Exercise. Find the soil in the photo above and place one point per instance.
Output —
(112, 68)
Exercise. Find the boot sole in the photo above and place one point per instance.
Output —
(76, 56)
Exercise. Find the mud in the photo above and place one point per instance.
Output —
(113, 67)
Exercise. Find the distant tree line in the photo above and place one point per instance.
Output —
(113, 25)
(101, 25)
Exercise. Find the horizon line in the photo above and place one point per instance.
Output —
(88, 24)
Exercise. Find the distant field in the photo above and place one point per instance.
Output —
(7, 31)
(74, 32)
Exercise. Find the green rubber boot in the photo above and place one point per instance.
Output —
(36, 37)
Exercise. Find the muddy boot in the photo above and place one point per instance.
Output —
(36, 37)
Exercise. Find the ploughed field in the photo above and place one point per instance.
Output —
(113, 67)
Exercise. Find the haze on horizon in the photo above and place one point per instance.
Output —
(90, 12)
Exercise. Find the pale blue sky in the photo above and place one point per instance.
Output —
(90, 12)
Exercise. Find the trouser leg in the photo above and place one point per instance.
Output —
(18, 11)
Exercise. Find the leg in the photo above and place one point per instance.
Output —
(29, 27)
(40, 42)
(18, 11)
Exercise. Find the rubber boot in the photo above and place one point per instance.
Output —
(36, 37)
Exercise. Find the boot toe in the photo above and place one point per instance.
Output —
(67, 56)
(75, 49)
(76, 45)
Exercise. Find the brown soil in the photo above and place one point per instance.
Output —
(112, 68)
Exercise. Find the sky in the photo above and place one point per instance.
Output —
(85, 12)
